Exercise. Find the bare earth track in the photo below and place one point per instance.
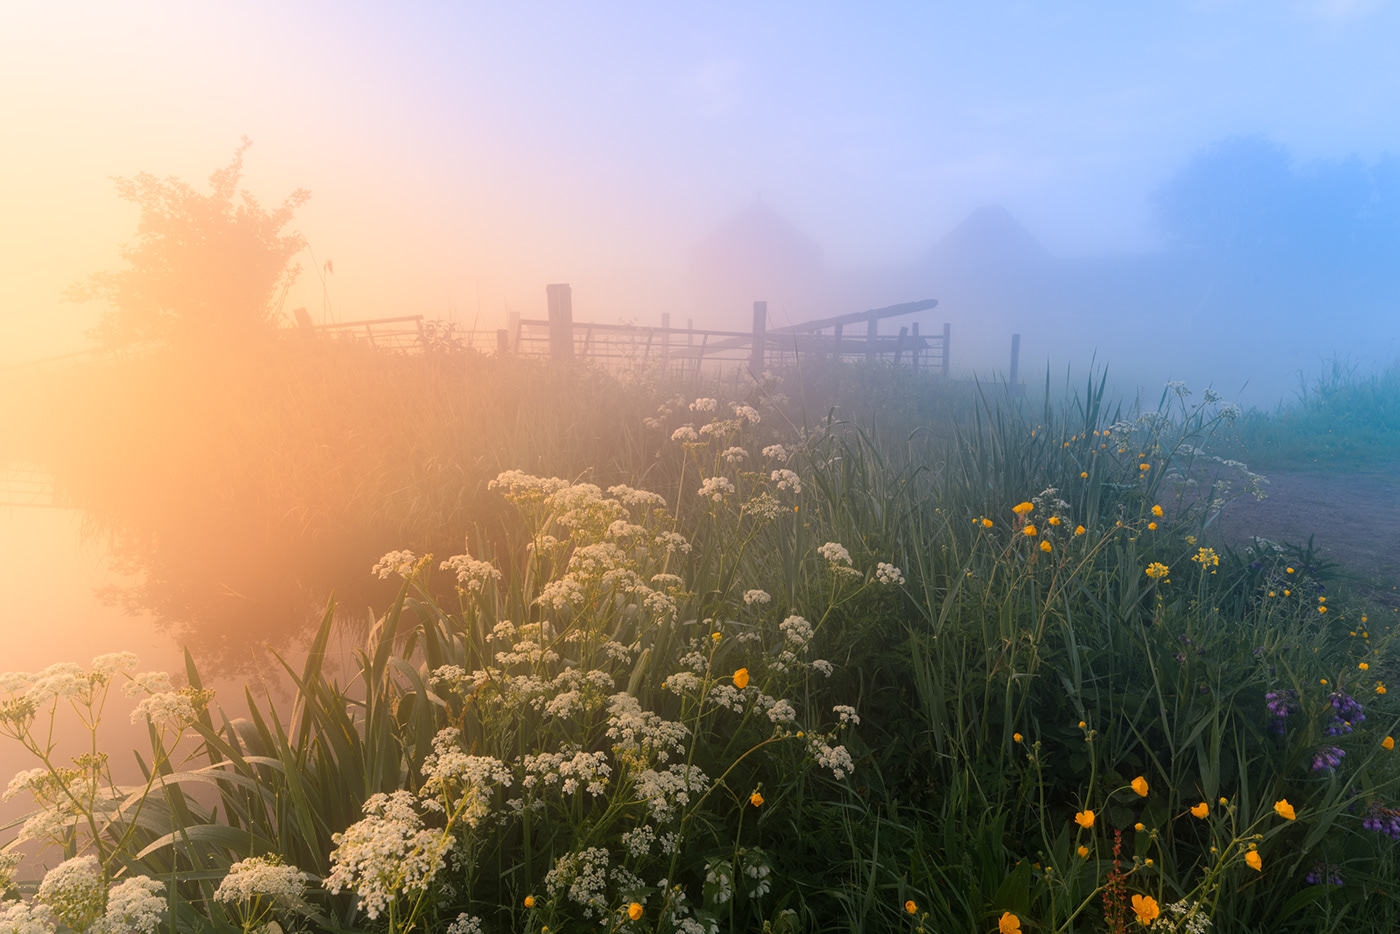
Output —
(1353, 517)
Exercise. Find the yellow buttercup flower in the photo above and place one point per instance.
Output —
(1140, 786)
(634, 911)
(1083, 474)
(1030, 530)
(1079, 531)
(1201, 810)
(1157, 511)
(1388, 743)
(1016, 737)
(1139, 826)
(1145, 906)
(716, 636)
(741, 678)
(1363, 666)
(1022, 508)
(1152, 526)
(1084, 819)
(1045, 546)
(986, 523)
(1009, 924)
(756, 799)
(529, 901)
(910, 907)
(1083, 852)
(1255, 863)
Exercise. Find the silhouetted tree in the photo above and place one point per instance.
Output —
(203, 268)
(1248, 199)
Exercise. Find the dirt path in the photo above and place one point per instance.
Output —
(1354, 518)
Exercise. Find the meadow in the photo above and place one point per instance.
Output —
(846, 648)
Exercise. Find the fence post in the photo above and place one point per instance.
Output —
(1015, 361)
(899, 345)
(760, 333)
(513, 325)
(561, 321)
(836, 345)
(947, 333)
(665, 341)
(872, 325)
(916, 351)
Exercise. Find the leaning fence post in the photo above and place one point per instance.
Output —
(1015, 360)
(917, 350)
(872, 326)
(513, 326)
(561, 321)
(760, 329)
(947, 333)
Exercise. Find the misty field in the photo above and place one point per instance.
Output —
(845, 648)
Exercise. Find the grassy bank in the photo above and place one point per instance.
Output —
(773, 660)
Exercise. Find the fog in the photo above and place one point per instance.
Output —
(460, 158)
(1204, 191)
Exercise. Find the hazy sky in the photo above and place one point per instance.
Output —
(467, 154)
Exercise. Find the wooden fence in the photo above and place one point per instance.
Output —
(689, 348)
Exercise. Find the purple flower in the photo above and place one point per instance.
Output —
(1280, 704)
(1345, 712)
(1324, 874)
(1327, 757)
(1383, 820)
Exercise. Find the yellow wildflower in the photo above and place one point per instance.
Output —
(1157, 570)
(756, 799)
(1022, 508)
(1079, 531)
(1083, 852)
(1201, 810)
(529, 901)
(1284, 809)
(1009, 924)
(910, 907)
(1145, 906)
(741, 678)
(1140, 786)
(1157, 511)
(1255, 863)
(1084, 819)
(1388, 743)
(1016, 737)
(1045, 546)
(634, 911)
(1029, 530)
(986, 523)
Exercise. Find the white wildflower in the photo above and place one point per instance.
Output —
(134, 904)
(704, 404)
(685, 434)
(835, 758)
(263, 877)
(387, 854)
(823, 666)
(734, 455)
(759, 597)
(787, 480)
(148, 682)
(782, 712)
(465, 924)
(172, 708)
(30, 780)
(777, 452)
(835, 553)
(113, 662)
(26, 918)
(847, 714)
(395, 562)
(716, 488)
(888, 574)
(796, 630)
(74, 892)
(471, 573)
(748, 413)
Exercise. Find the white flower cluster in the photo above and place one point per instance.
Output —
(758, 597)
(747, 413)
(705, 404)
(716, 488)
(387, 854)
(74, 892)
(134, 904)
(839, 558)
(667, 793)
(641, 737)
(472, 574)
(465, 924)
(777, 452)
(571, 770)
(26, 918)
(685, 435)
(847, 714)
(888, 574)
(734, 455)
(583, 877)
(835, 758)
(263, 877)
(30, 780)
(401, 563)
(459, 781)
(787, 480)
(796, 630)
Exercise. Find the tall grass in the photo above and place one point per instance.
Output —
(768, 668)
